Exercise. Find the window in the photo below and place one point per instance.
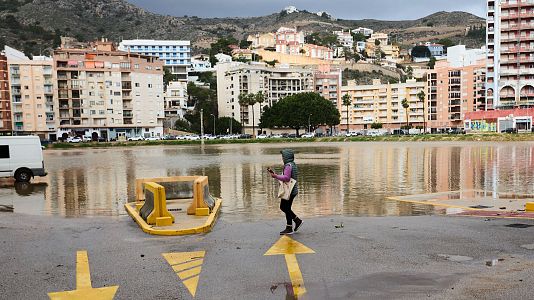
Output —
(137, 84)
(149, 85)
(4, 152)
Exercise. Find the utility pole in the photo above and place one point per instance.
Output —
(214, 134)
(202, 125)
(231, 122)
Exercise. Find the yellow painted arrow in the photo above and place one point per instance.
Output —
(84, 289)
(290, 248)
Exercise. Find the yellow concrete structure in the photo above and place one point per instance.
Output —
(159, 215)
(182, 205)
(529, 207)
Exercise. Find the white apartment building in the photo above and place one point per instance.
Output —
(365, 31)
(32, 85)
(382, 103)
(108, 94)
(223, 58)
(510, 42)
(176, 100)
(234, 79)
(175, 55)
(345, 38)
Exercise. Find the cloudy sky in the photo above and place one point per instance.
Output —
(344, 9)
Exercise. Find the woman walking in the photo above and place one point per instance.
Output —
(290, 172)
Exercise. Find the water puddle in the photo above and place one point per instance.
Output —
(455, 258)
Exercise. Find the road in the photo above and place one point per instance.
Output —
(436, 257)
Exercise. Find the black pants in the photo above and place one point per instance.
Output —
(285, 206)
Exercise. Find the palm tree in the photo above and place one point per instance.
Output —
(406, 105)
(422, 97)
(259, 97)
(346, 102)
(243, 101)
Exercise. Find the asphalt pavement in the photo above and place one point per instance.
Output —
(430, 257)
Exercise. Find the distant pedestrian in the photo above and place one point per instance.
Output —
(289, 175)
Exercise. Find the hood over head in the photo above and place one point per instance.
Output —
(287, 155)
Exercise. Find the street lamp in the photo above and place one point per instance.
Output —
(309, 125)
(214, 134)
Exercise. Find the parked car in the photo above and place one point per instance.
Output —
(509, 130)
(262, 136)
(308, 135)
(87, 139)
(136, 138)
(277, 136)
(192, 137)
(21, 157)
(245, 136)
(352, 133)
(456, 131)
(209, 137)
(75, 139)
(153, 138)
(293, 136)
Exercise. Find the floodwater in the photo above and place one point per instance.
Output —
(335, 178)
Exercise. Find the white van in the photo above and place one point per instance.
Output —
(21, 157)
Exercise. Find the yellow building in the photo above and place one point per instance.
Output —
(262, 40)
(382, 103)
(32, 87)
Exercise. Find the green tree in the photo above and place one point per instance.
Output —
(409, 72)
(422, 98)
(421, 51)
(347, 102)
(167, 77)
(432, 62)
(202, 99)
(182, 125)
(446, 43)
(293, 112)
(376, 125)
(406, 106)
(358, 37)
(223, 125)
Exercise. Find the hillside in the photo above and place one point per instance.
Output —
(35, 26)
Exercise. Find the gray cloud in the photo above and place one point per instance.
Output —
(344, 9)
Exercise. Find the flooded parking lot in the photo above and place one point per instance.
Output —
(335, 178)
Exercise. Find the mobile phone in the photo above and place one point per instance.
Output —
(270, 170)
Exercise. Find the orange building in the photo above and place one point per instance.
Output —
(453, 91)
(5, 106)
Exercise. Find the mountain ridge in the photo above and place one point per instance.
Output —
(34, 26)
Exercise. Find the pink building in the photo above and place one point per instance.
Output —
(321, 52)
(452, 92)
(289, 41)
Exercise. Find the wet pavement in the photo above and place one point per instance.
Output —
(352, 179)
(434, 257)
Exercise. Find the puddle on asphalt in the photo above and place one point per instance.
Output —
(518, 225)
(351, 179)
(455, 258)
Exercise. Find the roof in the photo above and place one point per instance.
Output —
(156, 42)
(495, 114)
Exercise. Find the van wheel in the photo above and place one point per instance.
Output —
(23, 175)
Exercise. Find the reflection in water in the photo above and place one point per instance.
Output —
(335, 178)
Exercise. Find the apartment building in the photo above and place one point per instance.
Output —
(33, 102)
(365, 31)
(452, 92)
(289, 40)
(382, 103)
(176, 100)
(6, 125)
(327, 81)
(175, 55)
(262, 40)
(345, 38)
(234, 79)
(315, 51)
(510, 42)
(108, 94)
